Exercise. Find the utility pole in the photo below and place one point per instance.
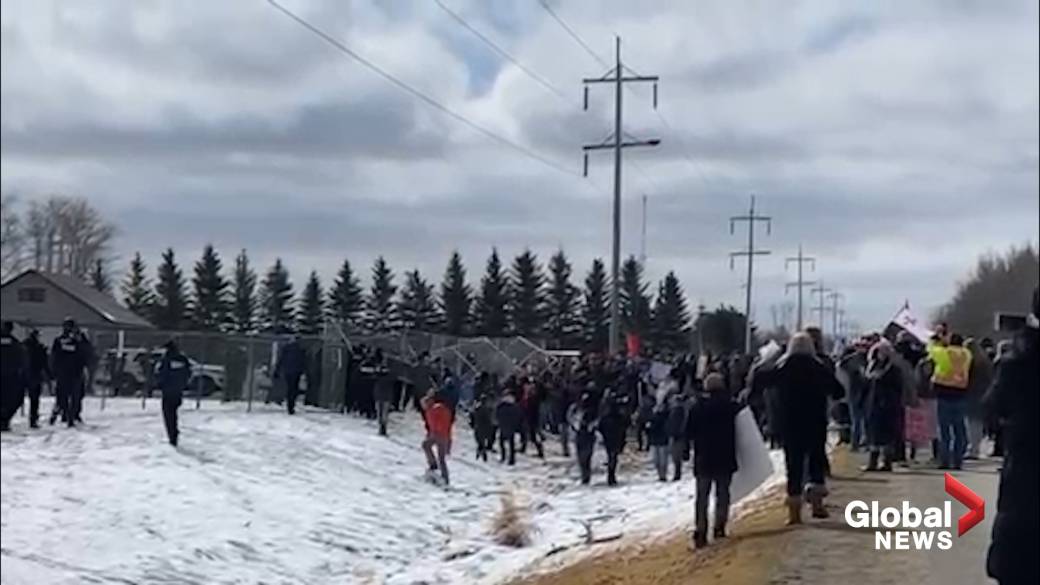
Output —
(751, 218)
(822, 308)
(800, 260)
(835, 298)
(642, 241)
(615, 142)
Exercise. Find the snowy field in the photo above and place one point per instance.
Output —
(317, 498)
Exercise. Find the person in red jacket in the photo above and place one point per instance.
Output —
(439, 419)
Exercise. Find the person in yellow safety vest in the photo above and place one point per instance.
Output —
(951, 366)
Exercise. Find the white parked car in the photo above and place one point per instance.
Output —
(138, 373)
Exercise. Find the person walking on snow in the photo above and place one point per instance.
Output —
(172, 377)
(655, 427)
(382, 391)
(13, 376)
(482, 420)
(38, 372)
(712, 429)
(509, 417)
(68, 362)
(677, 407)
(583, 423)
(292, 361)
(438, 416)
(613, 426)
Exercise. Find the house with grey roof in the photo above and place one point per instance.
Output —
(35, 298)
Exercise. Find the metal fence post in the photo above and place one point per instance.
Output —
(198, 382)
(250, 376)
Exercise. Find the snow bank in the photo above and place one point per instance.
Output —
(316, 498)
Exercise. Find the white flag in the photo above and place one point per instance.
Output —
(907, 321)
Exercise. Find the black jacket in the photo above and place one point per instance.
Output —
(509, 416)
(656, 426)
(12, 360)
(38, 368)
(1016, 527)
(173, 375)
(68, 357)
(292, 360)
(883, 406)
(711, 425)
(803, 384)
(614, 419)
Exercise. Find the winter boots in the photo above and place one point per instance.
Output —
(815, 493)
(794, 510)
(872, 464)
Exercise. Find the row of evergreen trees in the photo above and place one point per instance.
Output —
(521, 300)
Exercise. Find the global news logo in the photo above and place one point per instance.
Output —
(910, 528)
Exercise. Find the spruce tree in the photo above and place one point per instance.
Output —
(635, 301)
(527, 298)
(99, 277)
(210, 310)
(671, 317)
(170, 310)
(136, 287)
(312, 306)
(244, 305)
(456, 297)
(417, 308)
(561, 303)
(492, 318)
(595, 311)
(276, 299)
(381, 310)
(346, 300)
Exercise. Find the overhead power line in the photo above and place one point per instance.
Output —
(577, 38)
(499, 50)
(418, 94)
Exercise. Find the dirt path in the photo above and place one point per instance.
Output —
(762, 550)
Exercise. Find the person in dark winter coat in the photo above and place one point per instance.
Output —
(482, 420)
(614, 420)
(1013, 398)
(510, 417)
(804, 385)
(172, 378)
(853, 367)
(12, 375)
(531, 402)
(292, 363)
(980, 378)
(583, 423)
(38, 372)
(655, 427)
(68, 362)
(647, 403)
(883, 405)
(676, 426)
(712, 429)
(382, 390)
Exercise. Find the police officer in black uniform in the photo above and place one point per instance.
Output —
(12, 375)
(172, 377)
(69, 360)
(38, 371)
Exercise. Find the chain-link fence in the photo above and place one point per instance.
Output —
(239, 367)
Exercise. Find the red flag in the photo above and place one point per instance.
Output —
(633, 343)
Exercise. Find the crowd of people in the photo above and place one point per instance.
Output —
(893, 398)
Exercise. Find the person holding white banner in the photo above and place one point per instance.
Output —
(713, 432)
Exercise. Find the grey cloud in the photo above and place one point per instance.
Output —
(377, 129)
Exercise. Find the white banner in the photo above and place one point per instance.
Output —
(753, 463)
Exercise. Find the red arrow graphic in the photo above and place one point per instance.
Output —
(976, 505)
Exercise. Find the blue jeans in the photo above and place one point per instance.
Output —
(859, 425)
(951, 422)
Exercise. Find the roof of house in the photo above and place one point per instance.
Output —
(101, 303)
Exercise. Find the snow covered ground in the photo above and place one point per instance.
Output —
(318, 498)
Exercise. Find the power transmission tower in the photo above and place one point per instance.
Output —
(800, 260)
(616, 142)
(822, 308)
(835, 298)
(752, 219)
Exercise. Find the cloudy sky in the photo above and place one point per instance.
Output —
(895, 140)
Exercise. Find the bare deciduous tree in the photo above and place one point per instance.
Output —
(67, 235)
(12, 238)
